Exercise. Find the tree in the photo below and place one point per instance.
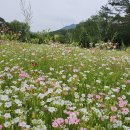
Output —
(20, 28)
(122, 9)
(26, 11)
(3, 25)
(2, 21)
(121, 13)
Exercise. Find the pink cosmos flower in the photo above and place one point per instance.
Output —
(1, 127)
(76, 121)
(125, 111)
(72, 121)
(113, 108)
(116, 90)
(23, 75)
(120, 98)
(39, 79)
(55, 124)
(68, 112)
(70, 108)
(113, 119)
(72, 113)
(58, 122)
(113, 58)
(98, 96)
(122, 103)
(127, 81)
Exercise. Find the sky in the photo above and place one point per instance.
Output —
(51, 14)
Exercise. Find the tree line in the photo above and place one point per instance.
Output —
(20, 31)
(111, 24)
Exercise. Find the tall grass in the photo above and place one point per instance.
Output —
(48, 87)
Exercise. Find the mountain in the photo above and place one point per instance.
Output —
(2, 22)
(72, 26)
(64, 29)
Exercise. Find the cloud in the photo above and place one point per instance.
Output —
(52, 14)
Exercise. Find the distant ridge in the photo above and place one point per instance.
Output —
(72, 26)
(64, 29)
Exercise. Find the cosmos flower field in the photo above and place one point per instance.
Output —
(58, 87)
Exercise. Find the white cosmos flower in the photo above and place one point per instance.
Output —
(41, 96)
(1, 82)
(76, 95)
(63, 76)
(10, 76)
(15, 120)
(22, 124)
(106, 87)
(126, 127)
(51, 69)
(0, 104)
(123, 96)
(66, 88)
(49, 100)
(50, 90)
(8, 91)
(72, 115)
(4, 97)
(85, 118)
(117, 124)
(18, 111)
(51, 109)
(18, 102)
(42, 103)
(7, 124)
(84, 110)
(8, 104)
(98, 81)
(107, 98)
(7, 115)
(82, 99)
(83, 95)
(58, 91)
(127, 118)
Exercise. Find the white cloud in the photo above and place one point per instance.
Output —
(52, 14)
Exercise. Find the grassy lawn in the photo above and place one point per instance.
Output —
(60, 87)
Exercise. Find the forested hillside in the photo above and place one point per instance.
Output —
(112, 23)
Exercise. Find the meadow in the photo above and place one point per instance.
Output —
(60, 87)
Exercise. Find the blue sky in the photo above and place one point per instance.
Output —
(51, 14)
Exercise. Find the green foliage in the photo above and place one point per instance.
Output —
(107, 25)
(111, 24)
(14, 30)
(42, 83)
(59, 38)
(106, 46)
(20, 28)
(20, 31)
(34, 40)
(43, 37)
